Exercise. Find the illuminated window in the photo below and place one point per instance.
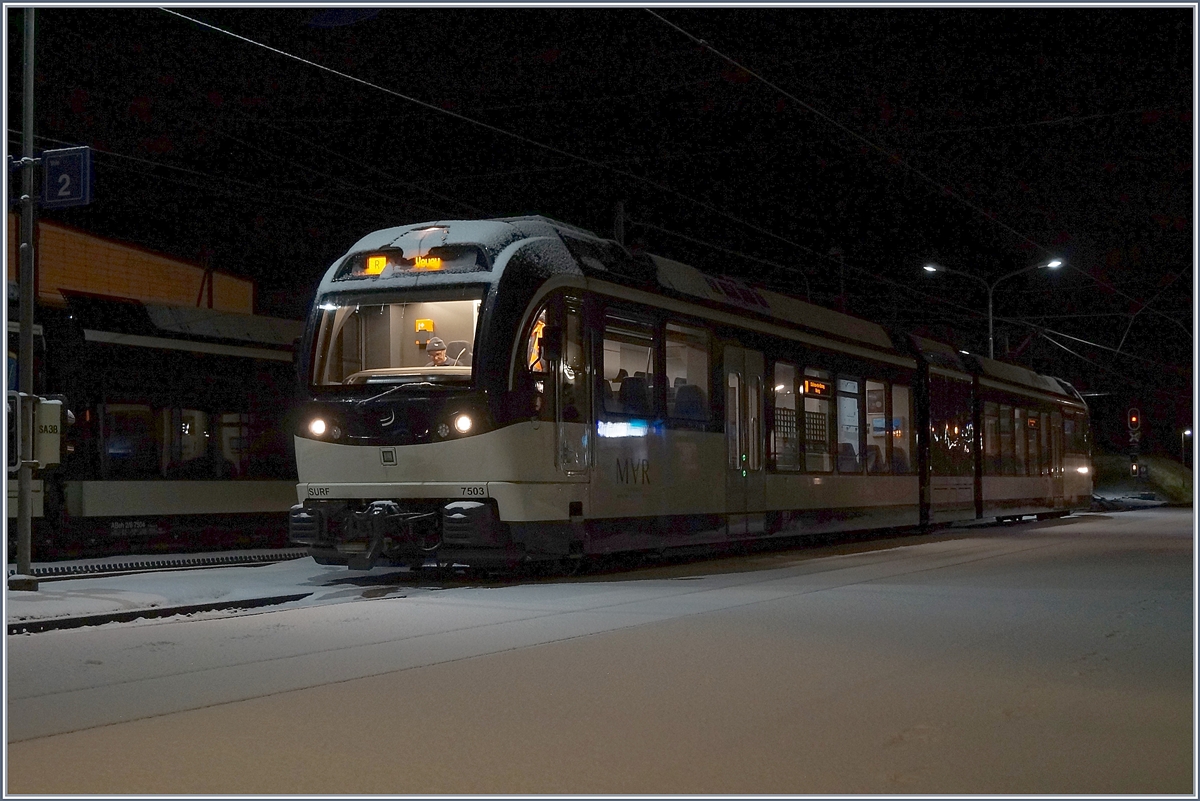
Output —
(818, 421)
(384, 342)
(535, 358)
(629, 373)
(903, 432)
(785, 436)
(687, 374)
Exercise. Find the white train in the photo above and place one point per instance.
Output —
(593, 401)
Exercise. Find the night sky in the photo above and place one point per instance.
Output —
(828, 153)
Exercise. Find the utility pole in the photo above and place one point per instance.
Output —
(24, 579)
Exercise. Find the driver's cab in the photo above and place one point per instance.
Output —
(366, 340)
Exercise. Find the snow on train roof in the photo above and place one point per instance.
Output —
(1020, 375)
(497, 234)
(690, 281)
(492, 234)
(128, 316)
(942, 354)
(201, 322)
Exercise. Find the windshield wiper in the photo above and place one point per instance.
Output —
(396, 388)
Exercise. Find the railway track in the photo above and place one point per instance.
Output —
(117, 565)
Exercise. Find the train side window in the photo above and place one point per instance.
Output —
(754, 428)
(818, 421)
(733, 417)
(534, 366)
(1035, 452)
(1044, 444)
(991, 439)
(850, 433)
(188, 450)
(572, 379)
(131, 444)
(1019, 440)
(687, 375)
(1075, 433)
(535, 359)
(1056, 443)
(784, 440)
(951, 431)
(629, 379)
(878, 430)
(1006, 440)
(902, 430)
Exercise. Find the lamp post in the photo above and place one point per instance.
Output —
(1053, 264)
(1183, 446)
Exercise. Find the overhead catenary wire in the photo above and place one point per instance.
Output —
(306, 167)
(892, 157)
(601, 165)
(1123, 377)
(756, 259)
(270, 195)
(495, 129)
(966, 310)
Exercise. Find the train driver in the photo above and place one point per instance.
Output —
(436, 349)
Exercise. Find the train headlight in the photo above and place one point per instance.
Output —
(316, 427)
(1083, 469)
(462, 423)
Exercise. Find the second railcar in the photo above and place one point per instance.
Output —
(179, 440)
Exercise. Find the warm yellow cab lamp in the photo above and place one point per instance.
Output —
(424, 329)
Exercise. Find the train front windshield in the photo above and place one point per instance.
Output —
(396, 341)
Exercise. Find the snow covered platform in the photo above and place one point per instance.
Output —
(156, 586)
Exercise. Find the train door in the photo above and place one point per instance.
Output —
(1056, 458)
(573, 404)
(745, 482)
(951, 447)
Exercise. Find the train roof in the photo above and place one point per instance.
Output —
(606, 259)
(135, 318)
(942, 355)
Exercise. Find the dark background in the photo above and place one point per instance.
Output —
(828, 153)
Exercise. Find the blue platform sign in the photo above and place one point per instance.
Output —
(67, 177)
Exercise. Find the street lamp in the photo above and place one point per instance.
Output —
(1053, 264)
(1183, 446)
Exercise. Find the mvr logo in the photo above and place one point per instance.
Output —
(631, 472)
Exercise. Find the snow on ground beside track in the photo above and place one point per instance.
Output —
(57, 599)
(165, 589)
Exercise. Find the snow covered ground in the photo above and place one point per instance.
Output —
(157, 590)
(1051, 657)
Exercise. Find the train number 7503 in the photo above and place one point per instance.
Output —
(477, 492)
